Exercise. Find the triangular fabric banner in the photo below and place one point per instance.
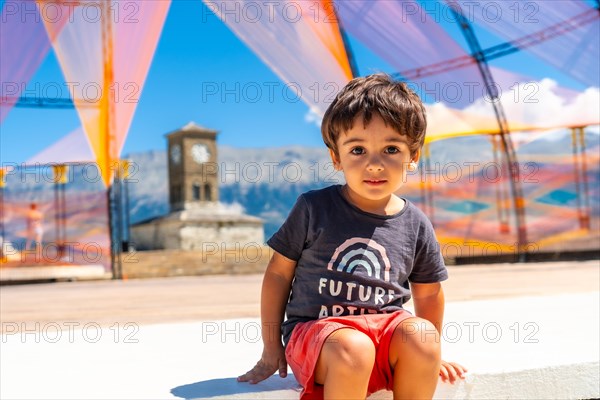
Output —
(24, 44)
(562, 33)
(105, 52)
(71, 148)
(298, 40)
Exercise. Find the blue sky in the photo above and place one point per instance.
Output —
(196, 48)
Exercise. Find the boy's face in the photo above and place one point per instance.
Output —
(374, 161)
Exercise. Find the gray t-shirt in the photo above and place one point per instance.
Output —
(351, 262)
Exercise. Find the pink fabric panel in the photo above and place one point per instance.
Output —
(73, 147)
(290, 45)
(135, 38)
(23, 46)
(575, 51)
(407, 37)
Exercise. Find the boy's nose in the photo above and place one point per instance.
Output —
(375, 164)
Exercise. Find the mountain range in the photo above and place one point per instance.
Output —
(267, 181)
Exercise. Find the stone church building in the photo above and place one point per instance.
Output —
(197, 220)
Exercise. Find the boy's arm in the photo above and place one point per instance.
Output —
(428, 299)
(277, 283)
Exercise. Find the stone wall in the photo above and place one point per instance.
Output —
(155, 235)
(190, 235)
(198, 236)
(240, 259)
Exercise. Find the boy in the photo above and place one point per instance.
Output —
(344, 258)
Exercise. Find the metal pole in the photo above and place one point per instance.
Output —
(60, 179)
(585, 193)
(127, 216)
(63, 219)
(56, 214)
(422, 184)
(428, 189)
(110, 231)
(501, 196)
(574, 142)
(119, 219)
(2, 231)
(107, 121)
(505, 140)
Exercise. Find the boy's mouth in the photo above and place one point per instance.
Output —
(375, 181)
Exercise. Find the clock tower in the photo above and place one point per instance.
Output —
(197, 221)
(193, 169)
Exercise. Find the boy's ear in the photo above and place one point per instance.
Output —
(414, 161)
(335, 160)
(415, 158)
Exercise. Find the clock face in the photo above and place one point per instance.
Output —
(176, 153)
(200, 153)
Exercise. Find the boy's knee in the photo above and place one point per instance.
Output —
(350, 348)
(419, 337)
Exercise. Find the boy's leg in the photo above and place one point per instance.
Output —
(345, 364)
(415, 358)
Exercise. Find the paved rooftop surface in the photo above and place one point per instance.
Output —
(513, 325)
(178, 299)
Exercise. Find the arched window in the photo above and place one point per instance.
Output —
(175, 194)
(207, 192)
(196, 191)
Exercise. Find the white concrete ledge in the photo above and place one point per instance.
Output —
(579, 381)
(574, 381)
(518, 348)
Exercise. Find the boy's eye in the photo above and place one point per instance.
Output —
(392, 150)
(357, 150)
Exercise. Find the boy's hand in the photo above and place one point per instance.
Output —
(450, 371)
(270, 362)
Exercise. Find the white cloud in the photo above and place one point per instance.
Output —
(313, 116)
(540, 104)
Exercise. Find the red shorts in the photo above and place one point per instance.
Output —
(304, 347)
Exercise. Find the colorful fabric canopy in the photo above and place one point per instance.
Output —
(299, 40)
(105, 49)
(563, 33)
(96, 56)
(24, 44)
(72, 148)
(302, 42)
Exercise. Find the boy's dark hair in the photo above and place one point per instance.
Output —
(397, 105)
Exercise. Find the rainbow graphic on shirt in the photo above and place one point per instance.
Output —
(362, 253)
